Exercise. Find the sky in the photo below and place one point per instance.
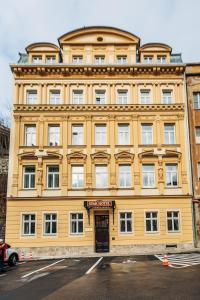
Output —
(22, 22)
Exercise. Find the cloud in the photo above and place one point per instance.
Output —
(22, 22)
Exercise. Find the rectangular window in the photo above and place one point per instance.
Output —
(122, 97)
(197, 129)
(125, 222)
(123, 134)
(196, 100)
(148, 176)
(147, 134)
(169, 133)
(100, 97)
(124, 176)
(171, 175)
(37, 59)
(77, 59)
(31, 97)
(50, 224)
(78, 176)
(161, 59)
(77, 134)
(77, 97)
(121, 59)
(30, 135)
(50, 59)
(167, 96)
(198, 170)
(100, 134)
(29, 177)
(76, 223)
(54, 97)
(54, 135)
(173, 221)
(52, 177)
(99, 60)
(148, 59)
(101, 172)
(145, 96)
(28, 224)
(151, 219)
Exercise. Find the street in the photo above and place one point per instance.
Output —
(134, 277)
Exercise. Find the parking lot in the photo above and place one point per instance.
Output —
(134, 277)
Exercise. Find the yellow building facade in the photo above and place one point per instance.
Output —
(99, 147)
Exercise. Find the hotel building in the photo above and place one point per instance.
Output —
(99, 157)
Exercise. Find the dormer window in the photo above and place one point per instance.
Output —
(161, 59)
(50, 59)
(148, 59)
(121, 59)
(100, 97)
(37, 59)
(99, 60)
(77, 59)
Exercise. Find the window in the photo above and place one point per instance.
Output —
(148, 59)
(50, 59)
(173, 222)
(99, 60)
(77, 97)
(30, 135)
(122, 97)
(28, 224)
(54, 97)
(121, 59)
(169, 133)
(145, 97)
(29, 177)
(77, 176)
(37, 59)
(100, 97)
(197, 135)
(198, 169)
(171, 175)
(77, 134)
(31, 97)
(125, 222)
(148, 176)
(100, 134)
(54, 135)
(147, 134)
(76, 223)
(77, 59)
(161, 59)
(52, 177)
(166, 96)
(125, 176)
(123, 134)
(151, 221)
(101, 172)
(50, 224)
(196, 100)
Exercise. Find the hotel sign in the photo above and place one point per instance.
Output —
(99, 204)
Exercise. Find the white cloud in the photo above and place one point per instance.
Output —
(175, 22)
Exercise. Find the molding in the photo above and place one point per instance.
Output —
(124, 155)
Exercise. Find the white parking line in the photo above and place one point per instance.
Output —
(178, 261)
(96, 263)
(2, 275)
(26, 275)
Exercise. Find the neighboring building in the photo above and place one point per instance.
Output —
(4, 152)
(99, 147)
(193, 90)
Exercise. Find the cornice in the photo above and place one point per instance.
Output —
(88, 70)
(105, 108)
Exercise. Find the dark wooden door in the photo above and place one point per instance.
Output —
(102, 233)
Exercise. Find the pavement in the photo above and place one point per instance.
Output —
(104, 278)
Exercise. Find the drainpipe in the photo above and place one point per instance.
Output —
(190, 165)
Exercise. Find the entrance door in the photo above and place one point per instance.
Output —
(102, 233)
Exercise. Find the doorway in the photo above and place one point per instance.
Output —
(102, 233)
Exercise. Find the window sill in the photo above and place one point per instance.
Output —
(33, 189)
(147, 145)
(152, 232)
(52, 189)
(57, 147)
(76, 146)
(149, 187)
(28, 147)
(124, 145)
(100, 146)
(77, 189)
(170, 145)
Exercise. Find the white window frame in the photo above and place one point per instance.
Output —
(79, 176)
(77, 134)
(170, 135)
(77, 220)
(171, 174)
(125, 219)
(167, 96)
(146, 134)
(50, 221)
(54, 136)
(54, 177)
(31, 97)
(99, 59)
(100, 134)
(173, 218)
(30, 135)
(50, 59)
(101, 95)
(29, 174)
(148, 59)
(123, 135)
(98, 181)
(36, 59)
(29, 224)
(122, 96)
(54, 97)
(121, 59)
(161, 59)
(125, 176)
(197, 100)
(145, 96)
(151, 221)
(197, 138)
(152, 173)
(77, 59)
(77, 97)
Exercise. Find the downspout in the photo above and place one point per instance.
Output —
(190, 164)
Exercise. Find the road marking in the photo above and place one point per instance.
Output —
(26, 275)
(2, 275)
(92, 267)
(21, 263)
(179, 261)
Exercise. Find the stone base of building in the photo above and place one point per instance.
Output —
(61, 252)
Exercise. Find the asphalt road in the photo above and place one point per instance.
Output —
(135, 277)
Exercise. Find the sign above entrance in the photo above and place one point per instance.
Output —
(99, 204)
